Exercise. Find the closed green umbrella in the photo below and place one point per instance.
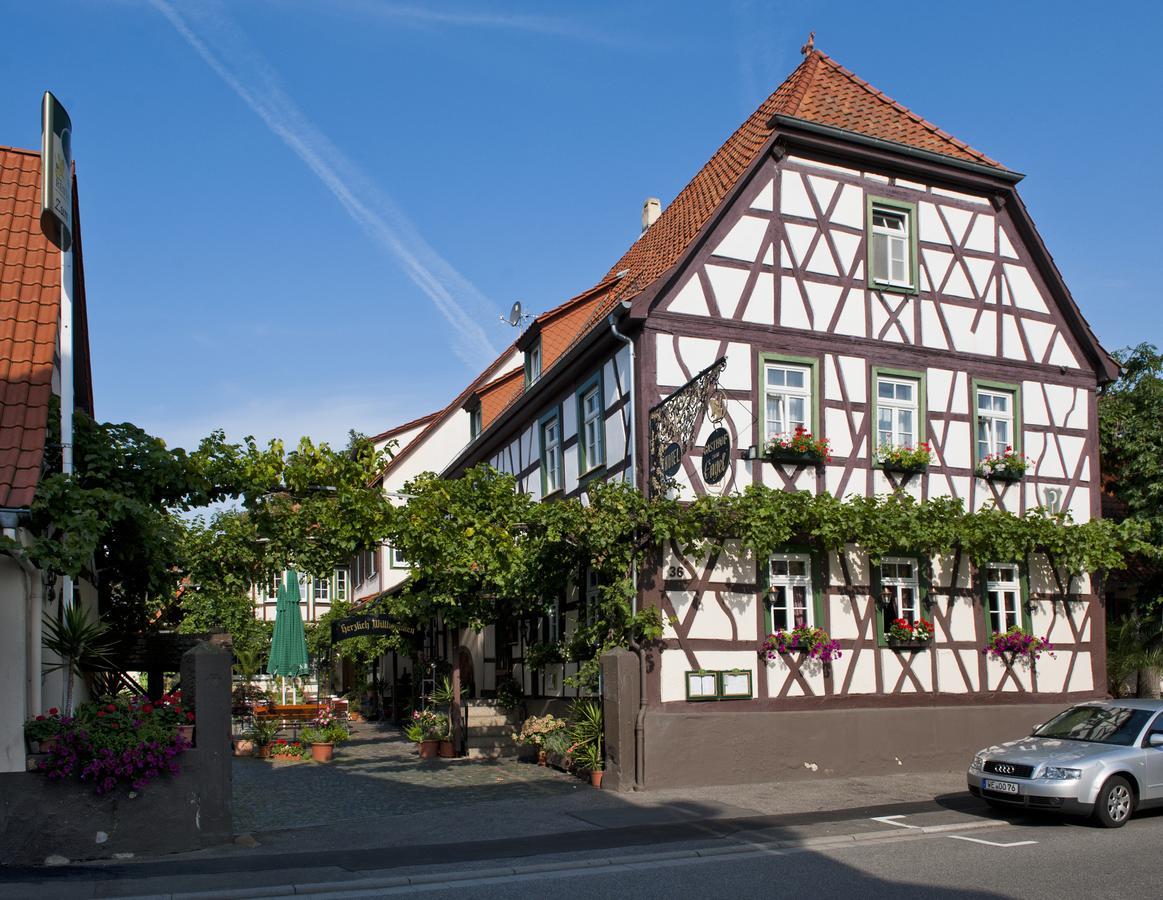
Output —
(288, 644)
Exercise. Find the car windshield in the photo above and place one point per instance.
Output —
(1096, 724)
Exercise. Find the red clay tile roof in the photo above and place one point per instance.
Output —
(819, 90)
(407, 426)
(499, 393)
(30, 281)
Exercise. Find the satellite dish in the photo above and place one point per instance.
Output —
(514, 317)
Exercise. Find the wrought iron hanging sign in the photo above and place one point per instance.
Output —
(673, 423)
(716, 456)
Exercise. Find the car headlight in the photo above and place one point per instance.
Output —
(1057, 773)
(978, 763)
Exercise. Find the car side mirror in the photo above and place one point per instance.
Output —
(1034, 730)
(1155, 739)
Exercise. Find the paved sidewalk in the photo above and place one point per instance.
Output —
(378, 774)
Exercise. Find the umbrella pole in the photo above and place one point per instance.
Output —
(284, 677)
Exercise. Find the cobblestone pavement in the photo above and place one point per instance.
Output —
(378, 773)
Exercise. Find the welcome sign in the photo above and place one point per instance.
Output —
(367, 625)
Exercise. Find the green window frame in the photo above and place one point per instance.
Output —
(922, 402)
(474, 423)
(907, 211)
(998, 387)
(533, 362)
(818, 575)
(1022, 596)
(594, 385)
(553, 416)
(812, 363)
(876, 579)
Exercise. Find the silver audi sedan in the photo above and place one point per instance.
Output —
(1103, 759)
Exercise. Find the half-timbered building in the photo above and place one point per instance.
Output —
(844, 267)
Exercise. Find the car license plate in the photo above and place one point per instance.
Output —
(1002, 787)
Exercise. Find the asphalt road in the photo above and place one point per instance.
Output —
(953, 848)
(1042, 858)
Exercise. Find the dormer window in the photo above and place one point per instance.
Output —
(474, 422)
(892, 245)
(533, 362)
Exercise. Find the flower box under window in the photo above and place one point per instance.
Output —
(1006, 475)
(898, 644)
(905, 468)
(796, 457)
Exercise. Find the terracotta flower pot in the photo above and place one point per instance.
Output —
(264, 751)
(596, 778)
(187, 733)
(429, 749)
(322, 752)
(243, 747)
(48, 744)
(446, 751)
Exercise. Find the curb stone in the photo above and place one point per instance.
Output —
(357, 886)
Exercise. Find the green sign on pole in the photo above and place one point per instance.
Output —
(56, 165)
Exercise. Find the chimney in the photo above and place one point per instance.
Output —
(651, 210)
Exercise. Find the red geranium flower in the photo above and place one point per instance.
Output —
(148, 708)
(40, 718)
(111, 708)
(189, 717)
(100, 714)
(53, 711)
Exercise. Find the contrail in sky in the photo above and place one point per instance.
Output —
(373, 210)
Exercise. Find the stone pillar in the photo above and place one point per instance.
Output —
(206, 690)
(620, 691)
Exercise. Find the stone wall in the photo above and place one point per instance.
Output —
(39, 818)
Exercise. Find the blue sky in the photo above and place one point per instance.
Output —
(303, 217)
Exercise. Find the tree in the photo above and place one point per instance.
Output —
(1130, 411)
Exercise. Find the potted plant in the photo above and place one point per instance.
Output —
(443, 695)
(800, 448)
(322, 749)
(428, 729)
(534, 732)
(589, 759)
(587, 732)
(904, 634)
(262, 731)
(557, 747)
(243, 745)
(284, 749)
(43, 733)
(1007, 466)
(908, 460)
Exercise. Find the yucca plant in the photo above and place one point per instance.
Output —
(83, 647)
(586, 722)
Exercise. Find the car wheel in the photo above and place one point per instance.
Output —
(1116, 802)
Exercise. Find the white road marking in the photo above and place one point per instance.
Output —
(888, 820)
(960, 837)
